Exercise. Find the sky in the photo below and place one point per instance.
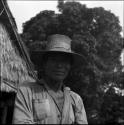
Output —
(23, 10)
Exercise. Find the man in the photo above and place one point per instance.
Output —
(49, 101)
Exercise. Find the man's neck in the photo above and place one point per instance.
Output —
(54, 85)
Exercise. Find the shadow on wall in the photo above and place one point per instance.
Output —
(6, 107)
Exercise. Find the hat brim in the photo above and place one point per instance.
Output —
(36, 57)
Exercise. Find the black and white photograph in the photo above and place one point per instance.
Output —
(62, 62)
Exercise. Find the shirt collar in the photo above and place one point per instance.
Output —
(64, 88)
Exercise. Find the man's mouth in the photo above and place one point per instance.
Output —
(59, 72)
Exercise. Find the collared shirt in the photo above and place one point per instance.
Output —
(35, 105)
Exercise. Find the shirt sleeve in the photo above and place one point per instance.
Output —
(80, 114)
(79, 110)
(23, 107)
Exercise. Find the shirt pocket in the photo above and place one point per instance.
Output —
(41, 108)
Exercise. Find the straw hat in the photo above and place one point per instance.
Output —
(60, 44)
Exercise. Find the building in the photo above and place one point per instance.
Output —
(15, 64)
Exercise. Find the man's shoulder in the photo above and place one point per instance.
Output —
(72, 93)
(75, 95)
(34, 84)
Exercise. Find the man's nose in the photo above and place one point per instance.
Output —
(59, 64)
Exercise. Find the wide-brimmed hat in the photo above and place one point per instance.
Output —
(60, 44)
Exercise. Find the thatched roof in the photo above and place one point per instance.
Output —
(16, 66)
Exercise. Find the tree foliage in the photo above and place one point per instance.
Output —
(95, 33)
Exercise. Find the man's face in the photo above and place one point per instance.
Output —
(57, 66)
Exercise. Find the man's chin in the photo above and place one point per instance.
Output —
(59, 78)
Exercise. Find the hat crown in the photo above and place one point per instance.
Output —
(59, 42)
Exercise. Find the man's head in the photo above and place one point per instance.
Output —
(58, 49)
(57, 65)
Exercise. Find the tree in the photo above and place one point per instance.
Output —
(95, 34)
(39, 27)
